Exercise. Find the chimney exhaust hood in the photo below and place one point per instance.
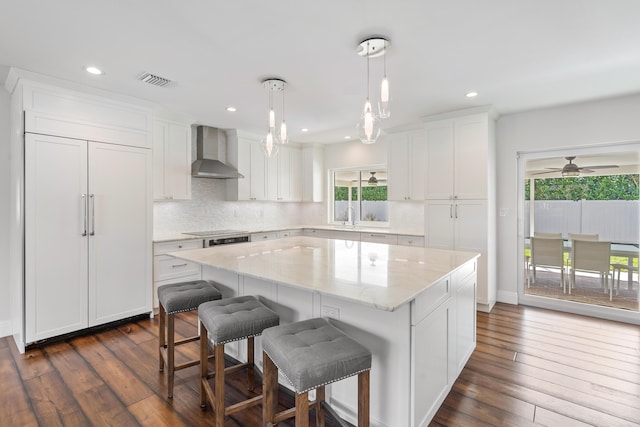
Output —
(210, 148)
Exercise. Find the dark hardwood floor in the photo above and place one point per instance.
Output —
(530, 367)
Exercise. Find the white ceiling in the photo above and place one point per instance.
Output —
(518, 54)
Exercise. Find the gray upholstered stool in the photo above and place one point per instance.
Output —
(222, 322)
(311, 354)
(177, 298)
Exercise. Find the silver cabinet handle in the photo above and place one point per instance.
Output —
(456, 211)
(450, 211)
(84, 209)
(92, 199)
(179, 265)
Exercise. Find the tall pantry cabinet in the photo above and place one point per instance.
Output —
(87, 211)
(460, 184)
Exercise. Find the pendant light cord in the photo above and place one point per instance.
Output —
(368, 89)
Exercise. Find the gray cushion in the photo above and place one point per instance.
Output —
(186, 296)
(236, 318)
(313, 353)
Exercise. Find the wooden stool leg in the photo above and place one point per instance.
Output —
(204, 362)
(302, 409)
(218, 405)
(363, 399)
(319, 410)
(251, 378)
(171, 352)
(161, 335)
(269, 390)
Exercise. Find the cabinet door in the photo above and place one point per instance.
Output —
(273, 176)
(439, 160)
(171, 160)
(465, 322)
(120, 232)
(430, 363)
(439, 224)
(244, 167)
(416, 162)
(398, 184)
(258, 173)
(295, 175)
(55, 248)
(177, 164)
(471, 148)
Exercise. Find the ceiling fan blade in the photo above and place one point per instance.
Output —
(599, 167)
(546, 172)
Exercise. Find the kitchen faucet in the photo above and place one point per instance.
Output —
(353, 215)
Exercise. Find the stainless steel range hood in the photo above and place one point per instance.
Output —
(210, 148)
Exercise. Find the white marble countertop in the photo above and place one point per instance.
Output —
(168, 237)
(379, 275)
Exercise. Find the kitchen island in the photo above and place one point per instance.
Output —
(414, 308)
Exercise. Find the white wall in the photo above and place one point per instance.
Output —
(5, 312)
(573, 126)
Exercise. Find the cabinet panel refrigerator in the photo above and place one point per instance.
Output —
(87, 248)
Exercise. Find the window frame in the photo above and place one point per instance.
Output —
(331, 194)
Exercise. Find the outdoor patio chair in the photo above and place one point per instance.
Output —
(546, 252)
(591, 256)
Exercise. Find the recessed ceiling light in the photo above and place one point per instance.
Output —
(347, 137)
(94, 70)
(231, 109)
(471, 94)
(304, 130)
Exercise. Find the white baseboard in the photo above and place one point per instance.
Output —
(5, 328)
(508, 297)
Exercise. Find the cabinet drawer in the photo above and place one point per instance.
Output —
(259, 237)
(290, 233)
(167, 267)
(430, 299)
(178, 245)
(390, 239)
(411, 241)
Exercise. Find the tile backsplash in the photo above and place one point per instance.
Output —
(208, 210)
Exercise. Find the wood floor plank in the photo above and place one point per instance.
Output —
(155, 412)
(552, 419)
(114, 372)
(75, 372)
(486, 413)
(16, 408)
(53, 402)
(104, 408)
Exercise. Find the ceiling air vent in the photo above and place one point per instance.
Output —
(152, 79)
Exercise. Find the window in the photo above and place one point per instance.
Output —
(360, 196)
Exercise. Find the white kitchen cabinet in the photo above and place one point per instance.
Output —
(389, 239)
(290, 233)
(461, 225)
(171, 160)
(457, 153)
(268, 235)
(312, 174)
(410, 240)
(87, 234)
(332, 234)
(168, 270)
(247, 156)
(465, 321)
(407, 156)
(283, 175)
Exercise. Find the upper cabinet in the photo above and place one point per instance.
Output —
(457, 157)
(284, 175)
(171, 160)
(312, 172)
(407, 156)
(246, 155)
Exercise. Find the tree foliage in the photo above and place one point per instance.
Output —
(611, 187)
(368, 193)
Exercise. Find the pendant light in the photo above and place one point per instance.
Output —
(271, 143)
(383, 104)
(369, 125)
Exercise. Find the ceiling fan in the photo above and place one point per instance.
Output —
(572, 169)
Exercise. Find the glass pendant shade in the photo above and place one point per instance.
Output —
(369, 126)
(272, 119)
(383, 104)
(283, 133)
(270, 145)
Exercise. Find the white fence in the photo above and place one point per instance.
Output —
(613, 220)
(374, 210)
